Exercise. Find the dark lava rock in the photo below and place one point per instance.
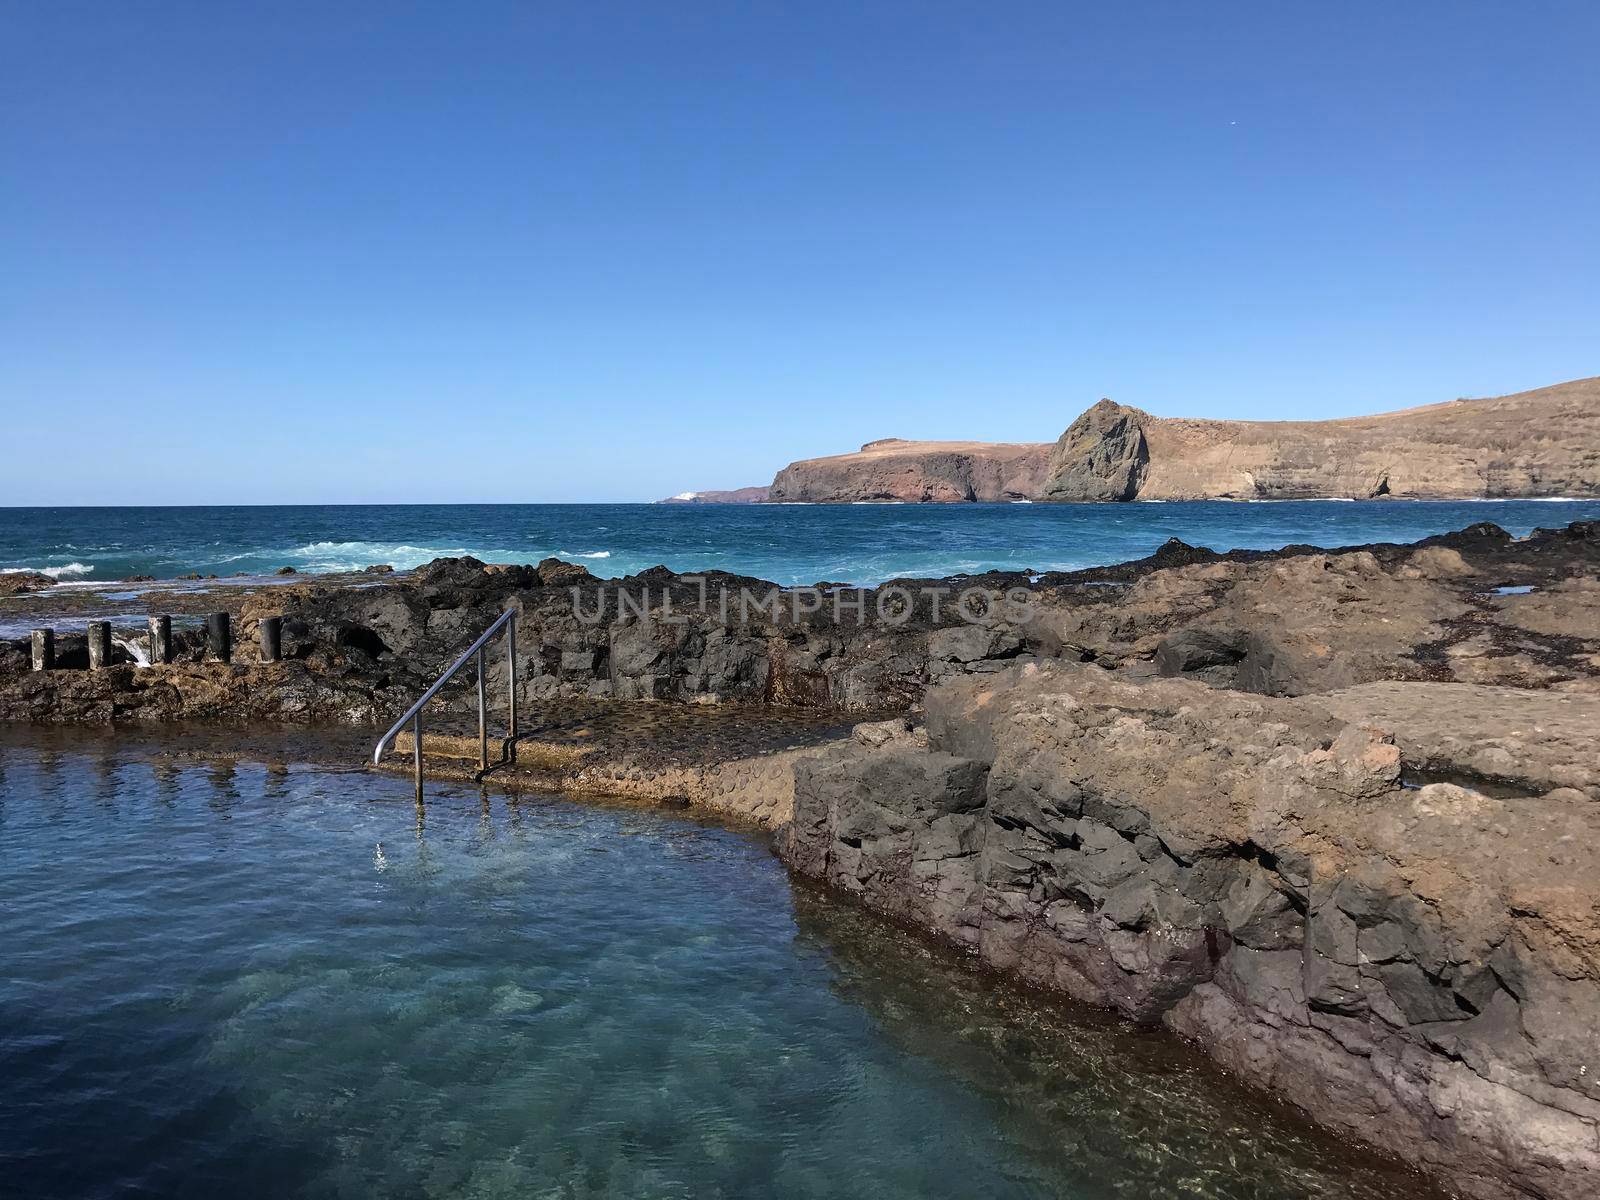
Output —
(17, 583)
(1413, 965)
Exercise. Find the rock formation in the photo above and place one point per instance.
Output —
(1102, 456)
(1416, 962)
(17, 583)
(915, 473)
(744, 495)
(1539, 443)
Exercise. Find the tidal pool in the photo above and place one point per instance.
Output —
(249, 981)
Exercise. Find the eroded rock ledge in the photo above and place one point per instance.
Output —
(1417, 963)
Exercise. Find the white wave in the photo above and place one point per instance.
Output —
(591, 554)
(352, 556)
(130, 643)
(373, 547)
(64, 572)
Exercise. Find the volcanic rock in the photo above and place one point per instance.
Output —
(892, 469)
(1413, 960)
(17, 583)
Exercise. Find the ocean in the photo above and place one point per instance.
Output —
(789, 544)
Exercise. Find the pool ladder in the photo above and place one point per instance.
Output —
(413, 716)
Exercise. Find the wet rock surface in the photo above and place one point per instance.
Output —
(1416, 964)
(734, 760)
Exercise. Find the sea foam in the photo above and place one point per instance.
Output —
(63, 572)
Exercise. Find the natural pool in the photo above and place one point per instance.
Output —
(245, 981)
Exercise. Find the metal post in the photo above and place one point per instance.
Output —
(160, 640)
(99, 644)
(511, 686)
(44, 649)
(219, 633)
(271, 631)
(416, 752)
(483, 728)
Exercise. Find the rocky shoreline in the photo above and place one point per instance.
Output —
(1415, 963)
(1332, 814)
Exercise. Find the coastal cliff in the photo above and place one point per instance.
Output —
(1539, 443)
(916, 473)
(1532, 444)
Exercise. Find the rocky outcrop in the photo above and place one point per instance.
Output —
(1415, 962)
(1471, 607)
(893, 470)
(744, 495)
(1539, 443)
(1101, 456)
(18, 583)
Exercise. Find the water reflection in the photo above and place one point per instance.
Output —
(168, 780)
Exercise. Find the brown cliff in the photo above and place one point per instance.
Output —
(917, 473)
(1539, 443)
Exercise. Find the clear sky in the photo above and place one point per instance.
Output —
(541, 251)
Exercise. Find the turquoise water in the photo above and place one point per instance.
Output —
(250, 981)
(787, 544)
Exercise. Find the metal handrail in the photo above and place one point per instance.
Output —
(414, 713)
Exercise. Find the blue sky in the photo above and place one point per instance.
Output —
(521, 252)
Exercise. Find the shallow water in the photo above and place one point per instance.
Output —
(789, 544)
(251, 981)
